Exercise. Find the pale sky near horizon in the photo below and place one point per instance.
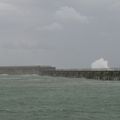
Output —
(61, 33)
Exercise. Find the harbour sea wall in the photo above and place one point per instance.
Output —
(88, 74)
(99, 74)
(21, 70)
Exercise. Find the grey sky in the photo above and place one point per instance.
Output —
(62, 33)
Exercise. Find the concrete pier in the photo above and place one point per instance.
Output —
(19, 70)
(88, 74)
(52, 71)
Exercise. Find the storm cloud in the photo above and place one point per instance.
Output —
(62, 33)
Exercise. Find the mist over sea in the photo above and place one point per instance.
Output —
(32, 97)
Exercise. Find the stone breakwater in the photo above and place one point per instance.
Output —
(52, 71)
(21, 70)
(98, 74)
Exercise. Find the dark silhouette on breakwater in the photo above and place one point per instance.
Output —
(99, 74)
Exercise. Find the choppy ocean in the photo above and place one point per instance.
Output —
(31, 97)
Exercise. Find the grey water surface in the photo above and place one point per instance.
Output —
(32, 97)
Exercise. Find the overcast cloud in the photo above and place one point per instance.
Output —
(62, 33)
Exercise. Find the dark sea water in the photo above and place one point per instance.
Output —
(47, 98)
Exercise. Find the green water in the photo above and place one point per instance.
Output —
(47, 98)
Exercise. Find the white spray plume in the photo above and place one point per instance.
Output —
(100, 64)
